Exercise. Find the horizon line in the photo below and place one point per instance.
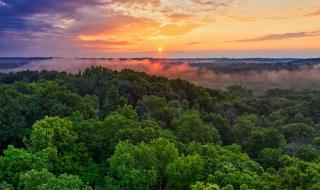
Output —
(66, 57)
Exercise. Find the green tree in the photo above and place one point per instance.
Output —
(190, 128)
(302, 151)
(222, 124)
(243, 127)
(41, 180)
(262, 138)
(13, 162)
(229, 174)
(240, 91)
(270, 158)
(58, 134)
(48, 98)
(141, 166)
(123, 124)
(184, 171)
(5, 186)
(300, 133)
(202, 186)
(314, 108)
(52, 132)
(217, 157)
(166, 153)
(13, 121)
(134, 166)
(159, 109)
(113, 101)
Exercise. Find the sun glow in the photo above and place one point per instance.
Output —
(160, 49)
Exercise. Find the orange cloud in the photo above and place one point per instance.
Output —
(138, 2)
(103, 44)
(178, 16)
(192, 25)
(212, 2)
(175, 30)
(119, 27)
(315, 13)
(281, 36)
(134, 30)
(193, 43)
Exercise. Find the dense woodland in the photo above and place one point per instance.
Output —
(102, 130)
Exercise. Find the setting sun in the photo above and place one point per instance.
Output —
(147, 28)
(160, 49)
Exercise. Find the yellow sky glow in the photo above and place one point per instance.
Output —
(196, 25)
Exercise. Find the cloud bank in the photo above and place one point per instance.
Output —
(302, 78)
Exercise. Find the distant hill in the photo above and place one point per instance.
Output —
(15, 62)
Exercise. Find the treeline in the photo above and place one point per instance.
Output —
(102, 129)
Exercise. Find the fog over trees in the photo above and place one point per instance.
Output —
(258, 74)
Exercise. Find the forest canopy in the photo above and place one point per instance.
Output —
(102, 129)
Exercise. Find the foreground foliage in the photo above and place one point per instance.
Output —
(125, 130)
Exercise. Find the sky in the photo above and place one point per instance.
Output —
(160, 28)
